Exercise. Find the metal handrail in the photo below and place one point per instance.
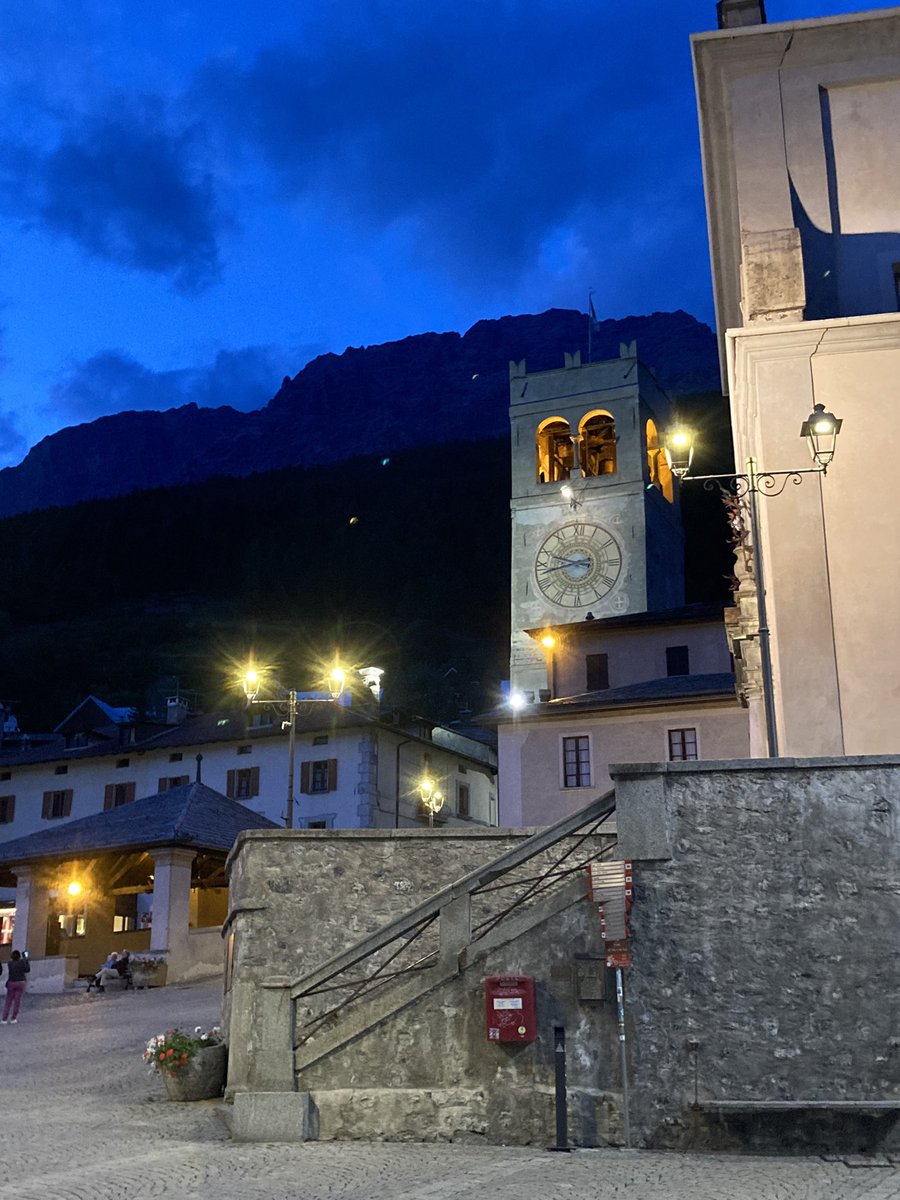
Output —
(598, 810)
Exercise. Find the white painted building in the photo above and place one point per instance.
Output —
(352, 769)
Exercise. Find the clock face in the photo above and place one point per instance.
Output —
(578, 564)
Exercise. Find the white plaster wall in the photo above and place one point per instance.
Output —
(87, 777)
(530, 753)
(829, 545)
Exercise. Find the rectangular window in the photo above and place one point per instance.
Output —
(5, 775)
(60, 770)
(462, 799)
(125, 916)
(682, 745)
(260, 718)
(175, 757)
(462, 768)
(243, 783)
(321, 739)
(172, 781)
(57, 805)
(316, 824)
(897, 284)
(318, 776)
(597, 671)
(7, 809)
(117, 794)
(677, 660)
(245, 749)
(7, 925)
(123, 762)
(576, 762)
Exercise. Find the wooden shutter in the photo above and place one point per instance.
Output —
(163, 785)
(332, 774)
(47, 805)
(230, 789)
(130, 789)
(67, 802)
(254, 782)
(305, 777)
(7, 809)
(109, 797)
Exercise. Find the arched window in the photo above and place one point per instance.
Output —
(555, 452)
(598, 444)
(657, 467)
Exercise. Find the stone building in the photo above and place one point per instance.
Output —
(606, 661)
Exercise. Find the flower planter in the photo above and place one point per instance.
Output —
(148, 974)
(203, 1078)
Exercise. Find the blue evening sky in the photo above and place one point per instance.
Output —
(196, 199)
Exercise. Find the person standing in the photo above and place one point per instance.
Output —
(16, 970)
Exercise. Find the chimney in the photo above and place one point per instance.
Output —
(735, 13)
(176, 710)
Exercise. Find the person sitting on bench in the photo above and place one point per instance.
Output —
(109, 970)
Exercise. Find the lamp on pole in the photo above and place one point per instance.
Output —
(820, 430)
(432, 798)
(290, 706)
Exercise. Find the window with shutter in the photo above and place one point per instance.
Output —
(56, 805)
(306, 778)
(117, 794)
(7, 809)
(323, 775)
(172, 781)
(245, 783)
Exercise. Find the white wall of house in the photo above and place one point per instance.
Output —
(530, 752)
(358, 791)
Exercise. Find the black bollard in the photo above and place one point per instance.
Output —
(562, 1112)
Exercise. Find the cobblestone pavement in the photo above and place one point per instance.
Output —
(81, 1118)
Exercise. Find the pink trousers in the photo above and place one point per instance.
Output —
(14, 994)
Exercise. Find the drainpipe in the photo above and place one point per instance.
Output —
(405, 742)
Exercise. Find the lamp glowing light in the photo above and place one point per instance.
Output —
(74, 888)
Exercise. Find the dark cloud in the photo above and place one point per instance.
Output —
(481, 130)
(113, 382)
(126, 188)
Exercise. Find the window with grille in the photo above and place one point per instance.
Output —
(682, 745)
(576, 762)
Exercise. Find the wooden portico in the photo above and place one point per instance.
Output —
(148, 876)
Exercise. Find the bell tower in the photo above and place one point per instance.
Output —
(596, 523)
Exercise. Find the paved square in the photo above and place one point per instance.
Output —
(83, 1120)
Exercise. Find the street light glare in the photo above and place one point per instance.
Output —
(74, 888)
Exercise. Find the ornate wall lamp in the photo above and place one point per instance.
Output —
(820, 430)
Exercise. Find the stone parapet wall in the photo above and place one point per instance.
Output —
(765, 919)
(300, 897)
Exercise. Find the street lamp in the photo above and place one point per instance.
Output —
(431, 798)
(820, 430)
(252, 683)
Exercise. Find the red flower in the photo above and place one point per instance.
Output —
(170, 1053)
(162, 1055)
